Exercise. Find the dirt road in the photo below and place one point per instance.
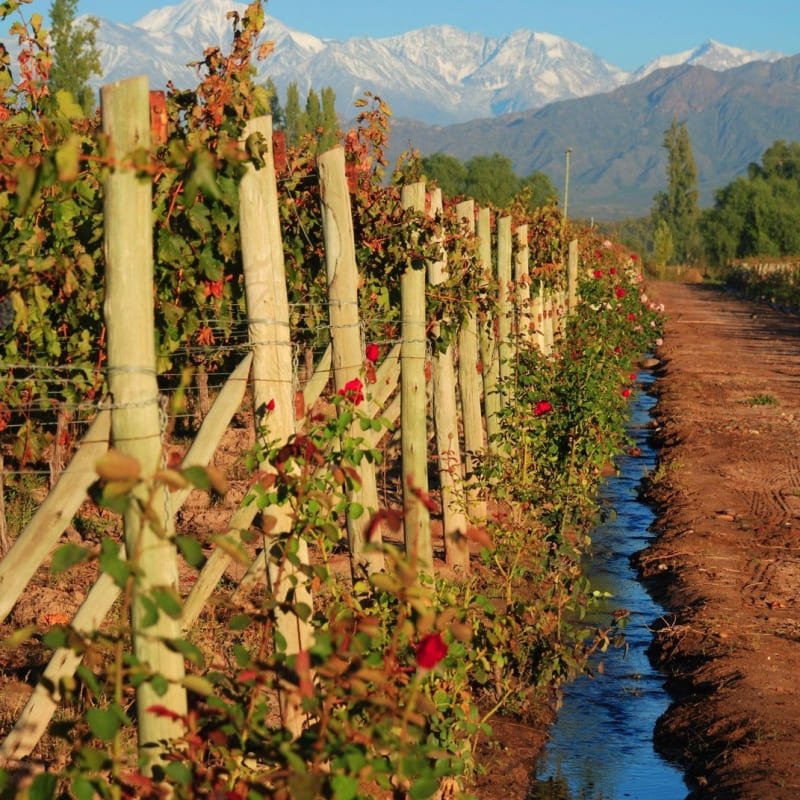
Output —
(727, 558)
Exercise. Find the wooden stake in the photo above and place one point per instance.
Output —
(273, 381)
(348, 348)
(136, 428)
(445, 417)
(572, 275)
(490, 360)
(505, 310)
(470, 385)
(522, 284)
(413, 414)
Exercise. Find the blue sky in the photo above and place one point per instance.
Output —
(625, 33)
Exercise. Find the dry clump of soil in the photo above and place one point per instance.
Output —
(726, 561)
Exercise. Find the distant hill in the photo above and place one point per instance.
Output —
(617, 161)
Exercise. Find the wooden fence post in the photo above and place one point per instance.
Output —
(135, 421)
(572, 275)
(445, 416)
(273, 377)
(549, 331)
(490, 362)
(413, 413)
(537, 313)
(348, 348)
(522, 284)
(504, 309)
(469, 383)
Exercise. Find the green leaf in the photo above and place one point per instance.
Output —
(18, 637)
(239, 622)
(67, 556)
(241, 655)
(55, 638)
(103, 723)
(112, 564)
(197, 476)
(150, 615)
(198, 685)
(345, 787)
(168, 601)
(423, 787)
(88, 678)
(93, 759)
(83, 789)
(179, 772)
(191, 549)
(43, 786)
(233, 548)
(189, 651)
(159, 684)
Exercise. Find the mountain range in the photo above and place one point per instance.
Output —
(617, 161)
(528, 96)
(439, 75)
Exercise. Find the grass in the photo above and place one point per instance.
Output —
(762, 399)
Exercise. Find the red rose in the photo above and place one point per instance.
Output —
(612, 271)
(372, 353)
(354, 391)
(598, 273)
(634, 256)
(626, 393)
(430, 650)
(619, 292)
(542, 407)
(271, 405)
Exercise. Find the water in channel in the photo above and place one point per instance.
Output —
(602, 742)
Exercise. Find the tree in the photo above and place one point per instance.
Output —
(678, 206)
(757, 215)
(448, 172)
(313, 114)
(293, 115)
(491, 179)
(76, 57)
(662, 246)
(275, 108)
(329, 122)
(542, 191)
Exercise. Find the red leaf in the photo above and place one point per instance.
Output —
(163, 711)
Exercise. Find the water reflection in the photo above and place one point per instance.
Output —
(602, 743)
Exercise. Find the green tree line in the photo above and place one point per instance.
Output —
(756, 215)
(490, 180)
(315, 118)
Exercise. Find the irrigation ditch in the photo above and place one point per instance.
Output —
(602, 743)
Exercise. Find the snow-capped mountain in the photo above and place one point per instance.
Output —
(438, 74)
(710, 54)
